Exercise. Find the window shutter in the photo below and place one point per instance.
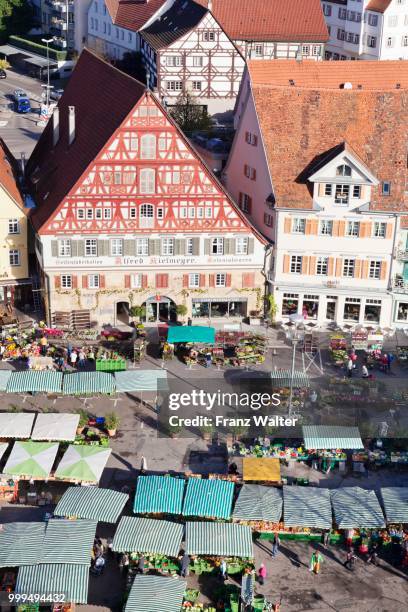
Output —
(246, 136)
(196, 246)
(245, 169)
(54, 248)
(103, 248)
(308, 226)
(249, 205)
(228, 280)
(288, 225)
(251, 246)
(129, 247)
(154, 247)
(162, 281)
(185, 280)
(75, 282)
(315, 227)
(144, 281)
(335, 228)
(321, 189)
(229, 246)
(57, 282)
(102, 281)
(255, 140)
(339, 264)
(341, 228)
(180, 247)
(248, 280)
(357, 268)
(286, 260)
(254, 174)
(312, 265)
(81, 248)
(207, 246)
(369, 229)
(383, 271)
(211, 280)
(388, 231)
(202, 280)
(330, 266)
(127, 281)
(74, 248)
(364, 270)
(84, 282)
(305, 264)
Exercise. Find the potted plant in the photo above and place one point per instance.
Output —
(181, 310)
(83, 421)
(111, 423)
(174, 430)
(254, 317)
(206, 431)
(138, 312)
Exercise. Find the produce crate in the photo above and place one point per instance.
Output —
(110, 365)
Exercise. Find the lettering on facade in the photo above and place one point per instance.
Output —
(229, 260)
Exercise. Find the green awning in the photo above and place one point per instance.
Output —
(20, 543)
(70, 580)
(92, 503)
(191, 333)
(155, 594)
(31, 459)
(307, 507)
(327, 437)
(282, 378)
(395, 500)
(88, 383)
(141, 380)
(68, 541)
(148, 536)
(219, 540)
(258, 503)
(83, 463)
(38, 381)
(208, 498)
(4, 378)
(16, 424)
(159, 494)
(356, 508)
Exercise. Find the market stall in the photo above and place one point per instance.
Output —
(155, 594)
(55, 426)
(264, 469)
(338, 347)
(395, 503)
(327, 443)
(141, 380)
(67, 541)
(66, 578)
(355, 507)
(259, 507)
(20, 543)
(31, 460)
(92, 503)
(4, 378)
(283, 378)
(89, 383)
(139, 350)
(194, 334)
(306, 511)
(33, 381)
(208, 498)
(83, 463)
(227, 540)
(159, 495)
(265, 447)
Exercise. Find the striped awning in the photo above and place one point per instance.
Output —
(67, 579)
(20, 543)
(155, 594)
(395, 500)
(318, 437)
(92, 503)
(219, 540)
(38, 381)
(55, 426)
(16, 424)
(88, 383)
(148, 536)
(258, 503)
(68, 541)
(141, 380)
(307, 507)
(30, 459)
(282, 378)
(159, 494)
(208, 498)
(4, 378)
(355, 507)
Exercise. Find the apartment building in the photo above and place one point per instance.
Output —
(65, 21)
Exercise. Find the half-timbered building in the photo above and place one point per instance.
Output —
(186, 50)
(127, 214)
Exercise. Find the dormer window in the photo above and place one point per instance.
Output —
(343, 170)
(342, 194)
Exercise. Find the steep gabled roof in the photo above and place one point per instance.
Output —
(378, 6)
(180, 19)
(132, 14)
(8, 174)
(102, 96)
(270, 20)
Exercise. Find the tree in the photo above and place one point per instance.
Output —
(16, 17)
(273, 307)
(189, 115)
(4, 65)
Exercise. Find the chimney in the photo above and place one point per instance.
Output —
(23, 161)
(55, 127)
(209, 5)
(71, 125)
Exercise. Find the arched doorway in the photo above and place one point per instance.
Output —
(160, 309)
(122, 312)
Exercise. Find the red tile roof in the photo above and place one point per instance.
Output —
(132, 14)
(103, 96)
(271, 20)
(8, 174)
(379, 6)
(301, 124)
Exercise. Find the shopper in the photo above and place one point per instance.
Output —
(141, 565)
(350, 368)
(275, 544)
(350, 559)
(185, 564)
(223, 570)
(262, 574)
(315, 562)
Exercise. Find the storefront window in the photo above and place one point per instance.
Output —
(331, 307)
(372, 311)
(352, 309)
(219, 308)
(290, 303)
(310, 306)
(201, 309)
(402, 311)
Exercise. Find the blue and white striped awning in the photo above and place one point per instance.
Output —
(148, 536)
(92, 503)
(37, 381)
(70, 580)
(89, 383)
(16, 424)
(20, 543)
(156, 594)
(356, 508)
(68, 541)
(141, 380)
(282, 378)
(307, 507)
(258, 503)
(159, 494)
(219, 540)
(395, 500)
(321, 437)
(208, 498)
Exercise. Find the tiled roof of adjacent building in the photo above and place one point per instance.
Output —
(379, 6)
(270, 20)
(8, 174)
(302, 122)
(103, 97)
(132, 14)
(182, 17)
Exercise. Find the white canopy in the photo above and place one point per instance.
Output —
(16, 424)
(55, 426)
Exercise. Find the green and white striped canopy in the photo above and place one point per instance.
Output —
(159, 494)
(88, 383)
(208, 498)
(20, 543)
(45, 579)
(282, 378)
(92, 503)
(141, 380)
(318, 437)
(355, 507)
(16, 424)
(219, 540)
(258, 503)
(395, 500)
(307, 507)
(31, 459)
(155, 594)
(68, 541)
(39, 381)
(148, 536)
(83, 463)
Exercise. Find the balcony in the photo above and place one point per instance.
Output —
(399, 285)
(60, 42)
(402, 255)
(59, 24)
(61, 6)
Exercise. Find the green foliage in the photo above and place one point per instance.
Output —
(181, 310)
(112, 421)
(4, 65)
(14, 408)
(189, 115)
(83, 418)
(16, 17)
(35, 47)
(138, 312)
(272, 307)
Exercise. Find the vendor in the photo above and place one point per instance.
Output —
(43, 345)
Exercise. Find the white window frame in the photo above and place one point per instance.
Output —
(66, 281)
(374, 269)
(147, 178)
(91, 247)
(217, 246)
(322, 266)
(299, 225)
(342, 188)
(173, 61)
(13, 226)
(64, 247)
(196, 85)
(349, 267)
(326, 227)
(14, 257)
(380, 229)
(93, 281)
(198, 61)
(174, 85)
(296, 262)
(220, 279)
(194, 280)
(80, 213)
(167, 246)
(116, 247)
(353, 229)
(136, 280)
(328, 189)
(107, 213)
(148, 146)
(241, 245)
(89, 214)
(142, 247)
(356, 192)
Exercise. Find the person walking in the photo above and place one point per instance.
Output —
(124, 563)
(143, 465)
(350, 559)
(350, 368)
(81, 358)
(185, 564)
(315, 562)
(390, 359)
(73, 358)
(261, 574)
(141, 565)
(223, 570)
(326, 538)
(373, 556)
(275, 544)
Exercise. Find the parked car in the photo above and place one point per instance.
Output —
(3, 74)
(21, 102)
(55, 94)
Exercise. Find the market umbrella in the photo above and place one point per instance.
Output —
(83, 463)
(31, 459)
